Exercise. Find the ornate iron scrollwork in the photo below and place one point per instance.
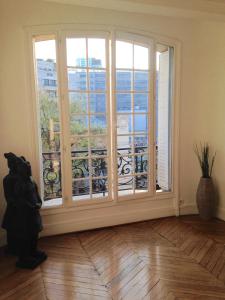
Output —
(126, 165)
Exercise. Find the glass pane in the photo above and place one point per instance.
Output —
(99, 167)
(124, 55)
(46, 74)
(141, 163)
(124, 123)
(77, 79)
(123, 80)
(96, 53)
(125, 165)
(97, 103)
(164, 64)
(99, 187)
(141, 102)
(79, 146)
(98, 124)
(125, 186)
(123, 102)
(80, 168)
(97, 80)
(78, 103)
(76, 52)
(51, 164)
(141, 81)
(141, 183)
(78, 125)
(141, 143)
(140, 123)
(98, 145)
(124, 144)
(81, 189)
(140, 57)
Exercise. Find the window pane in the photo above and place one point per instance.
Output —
(124, 144)
(124, 55)
(98, 103)
(141, 143)
(141, 81)
(163, 126)
(50, 127)
(125, 165)
(123, 80)
(77, 79)
(124, 123)
(125, 186)
(79, 146)
(98, 124)
(78, 125)
(99, 187)
(140, 57)
(78, 103)
(141, 183)
(99, 167)
(141, 102)
(123, 102)
(96, 53)
(140, 123)
(51, 164)
(81, 189)
(97, 80)
(76, 52)
(80, 168)
(141, 163)
(98, 145)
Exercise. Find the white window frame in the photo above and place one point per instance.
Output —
(145, 42)
(60, 31)
(68, 168)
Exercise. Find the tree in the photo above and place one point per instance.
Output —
(49, 120)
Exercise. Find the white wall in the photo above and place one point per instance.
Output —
(15, 130)
(211, 79)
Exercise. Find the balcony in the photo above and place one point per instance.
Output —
(126, 165)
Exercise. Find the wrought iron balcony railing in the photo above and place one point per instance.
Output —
(126, 166)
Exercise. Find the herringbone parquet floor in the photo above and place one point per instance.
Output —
(171, 258)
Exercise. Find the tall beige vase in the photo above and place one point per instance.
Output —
(205, 198)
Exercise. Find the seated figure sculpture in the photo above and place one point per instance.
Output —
(22, 219)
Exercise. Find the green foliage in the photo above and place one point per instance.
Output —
(50, 123)
(206, 163)
(49, 116)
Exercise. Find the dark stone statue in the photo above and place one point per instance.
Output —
(22, 219)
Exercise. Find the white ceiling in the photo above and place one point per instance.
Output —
(206, 9)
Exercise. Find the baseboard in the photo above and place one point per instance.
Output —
(220, 213)
(189, 209)
(192, 209)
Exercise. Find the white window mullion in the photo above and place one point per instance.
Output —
(152, 118)
(65, 119)
(132, 110)
(114, 119)
(108, 118)
(89, 120)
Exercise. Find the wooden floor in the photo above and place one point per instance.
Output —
(171, 258)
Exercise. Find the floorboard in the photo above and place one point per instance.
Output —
(170, 258)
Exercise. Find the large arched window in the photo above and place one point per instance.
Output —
(105, 114)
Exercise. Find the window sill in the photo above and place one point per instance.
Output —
(98, 204)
